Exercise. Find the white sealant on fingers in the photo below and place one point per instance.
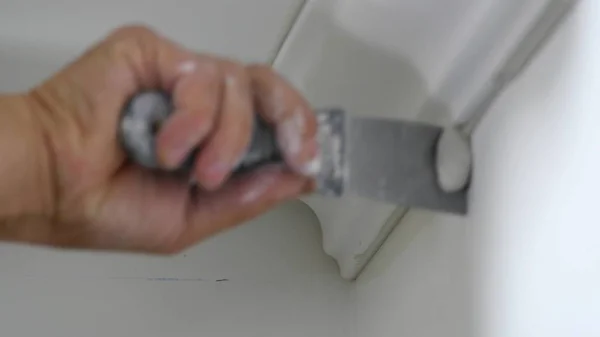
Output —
(313, 167)
(206, 69)
(290, 136)
(187, 67)
(453, 160)
(290, 132)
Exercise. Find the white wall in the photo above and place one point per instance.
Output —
(37, 37)
(526, 261)
(278, 282)
(418, 284)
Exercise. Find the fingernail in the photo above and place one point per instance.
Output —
(312, 168)
(179, 151)
(213, 176)
(189, 132)
(289, 140)
(176, 156)
(264, 180)
(289, 134)
(257, 190)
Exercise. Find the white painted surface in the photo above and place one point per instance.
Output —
(526, 261)
(453, 160)
(279, 283)
(419, 283)
(45, 35)
(428, 60)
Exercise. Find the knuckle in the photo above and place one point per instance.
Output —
(209, 68)
(237, 72)
(261, 68)
(262, 71)
(132, 31)
(234, 68)
(132, 41)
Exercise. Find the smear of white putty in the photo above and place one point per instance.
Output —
(313, 167)
(187, 67)
(453, 160)
(290, 133)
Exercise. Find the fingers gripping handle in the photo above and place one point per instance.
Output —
(144, 114)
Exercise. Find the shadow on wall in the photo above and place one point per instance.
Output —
(418, 283)
(368, 80)
(25, 65)
(337, 68)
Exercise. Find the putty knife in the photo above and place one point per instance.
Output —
(381, 159)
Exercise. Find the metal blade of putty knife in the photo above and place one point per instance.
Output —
(381, 159)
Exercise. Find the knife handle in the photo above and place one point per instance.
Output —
(143, 116)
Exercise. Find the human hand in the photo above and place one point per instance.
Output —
(89, 196)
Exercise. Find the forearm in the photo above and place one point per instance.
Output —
(25, 193)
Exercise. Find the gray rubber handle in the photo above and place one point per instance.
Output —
(143, 115)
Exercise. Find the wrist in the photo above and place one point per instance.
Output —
(26, 178)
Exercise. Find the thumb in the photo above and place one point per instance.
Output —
(240, 200)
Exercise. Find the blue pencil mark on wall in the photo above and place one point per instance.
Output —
(171, 279)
